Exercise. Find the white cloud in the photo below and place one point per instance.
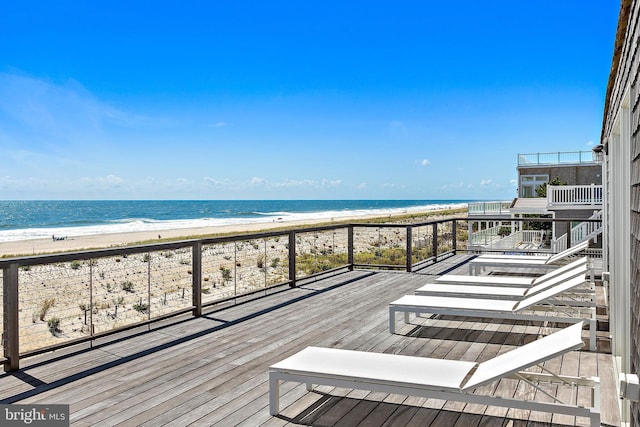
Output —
(392, 186)
(256, 180)
(323, 183)
(221, 124)
(486, 182)
(60, 112)
(95, 182)
(22, 184)
(290, 183)
(423, 162)
(111, 180)
(215, 182)
(331, 183)
(361, 186)
(589, 143)
(454, 185)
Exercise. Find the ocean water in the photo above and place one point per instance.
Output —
(22, 219)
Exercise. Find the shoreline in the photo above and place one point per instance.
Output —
(102, 241)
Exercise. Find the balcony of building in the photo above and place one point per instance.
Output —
(558, 158)
(572, 197)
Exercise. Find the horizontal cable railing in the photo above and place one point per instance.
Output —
(57, 300)
(52, 301)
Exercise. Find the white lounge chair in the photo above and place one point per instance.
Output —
(438, 378)
(508, 281)
(514, 293)
(532, 261)
(538, 307)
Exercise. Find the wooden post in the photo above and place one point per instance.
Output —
(196, 278)
(350, 247)
(292, 258)
(409, 248)
(435, 241)
(148, 255)
(10, 324)
(454, 236)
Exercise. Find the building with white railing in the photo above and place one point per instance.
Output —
(579, 197)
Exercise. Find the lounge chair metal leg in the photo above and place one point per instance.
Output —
(392, 320)
(595, 398)
(274, 395)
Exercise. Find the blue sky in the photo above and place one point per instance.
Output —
(294, 100)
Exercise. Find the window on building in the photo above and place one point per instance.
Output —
(528, 184)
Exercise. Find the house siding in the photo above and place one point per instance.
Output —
(572, 175)
(624, 79)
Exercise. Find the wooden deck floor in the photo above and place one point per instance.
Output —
(213, 370)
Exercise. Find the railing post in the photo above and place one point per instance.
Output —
(350, 247)
(454, 236)
(435, 241)
(10, 324)
(409, 248)
(196, 279)
(150, 260)
(292, 258)
(568, 226)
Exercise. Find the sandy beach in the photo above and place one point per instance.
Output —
(101, 241)
(109, 292)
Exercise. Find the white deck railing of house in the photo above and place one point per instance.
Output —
(486, 236)
(489, 208)
(574, 196)
(523, 239)
(579, 233)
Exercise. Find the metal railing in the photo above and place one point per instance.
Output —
(58, 300)
(557, 158)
